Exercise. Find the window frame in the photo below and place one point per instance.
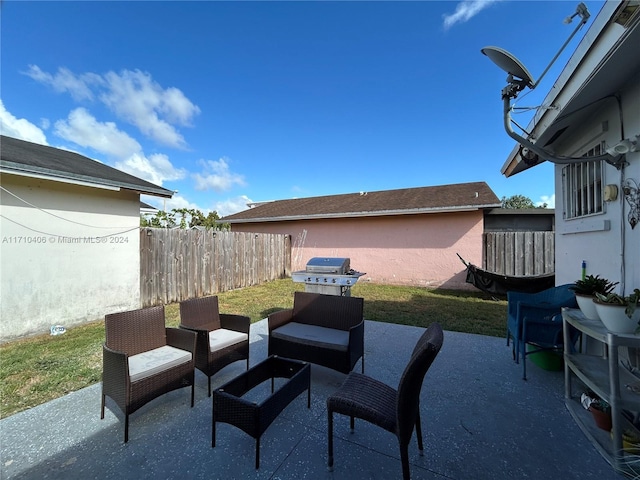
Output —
(583, 186)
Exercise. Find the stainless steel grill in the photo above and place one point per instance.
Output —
(328, 275)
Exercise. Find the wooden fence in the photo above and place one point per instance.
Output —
(519, 253)
(179, 264)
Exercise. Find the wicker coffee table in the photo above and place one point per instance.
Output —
(234, 403)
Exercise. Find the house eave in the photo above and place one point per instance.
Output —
(602, 61)
(377, 213)
(12, 168)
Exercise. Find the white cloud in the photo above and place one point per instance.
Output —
(232, 205)
(20, 128)
(465, 11)
(223, 208)
(83, 129)
(178, 201)
(105, 137)
(155, 168)
(550, 200)
(135, 97)
(177, 107)
(132, 95)
(217, 176)
(78, 86)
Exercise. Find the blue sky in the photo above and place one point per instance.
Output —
(235, 102)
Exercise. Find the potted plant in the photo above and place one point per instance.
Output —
(586, 290)
(620, 314)
(600, 410)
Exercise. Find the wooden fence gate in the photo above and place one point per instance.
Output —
(519, 253)
(179, 264)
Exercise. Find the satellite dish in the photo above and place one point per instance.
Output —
(530, 152)
(509, 64)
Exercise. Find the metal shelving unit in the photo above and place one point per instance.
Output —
(604, 375)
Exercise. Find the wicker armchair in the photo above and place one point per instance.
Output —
(535, 319)
(396, 411)
(142, 359)
(222, 338)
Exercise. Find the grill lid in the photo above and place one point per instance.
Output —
(329, 265)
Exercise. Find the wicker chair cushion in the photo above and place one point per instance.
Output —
(147, 364)
(222, 338)
(313, 335)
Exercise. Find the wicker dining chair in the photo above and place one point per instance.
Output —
(222, 338)
(397, 411)
(142, 359)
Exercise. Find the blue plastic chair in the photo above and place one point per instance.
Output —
(535, 319)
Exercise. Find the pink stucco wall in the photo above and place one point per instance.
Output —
(415, 250)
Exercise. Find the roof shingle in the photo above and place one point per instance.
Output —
(26, 158)
(462, 196)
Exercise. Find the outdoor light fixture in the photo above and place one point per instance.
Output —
(625, 146)
(519, 78)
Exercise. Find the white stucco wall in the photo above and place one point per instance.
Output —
(72, 259)
(606, 241)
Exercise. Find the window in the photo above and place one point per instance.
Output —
(582, 186)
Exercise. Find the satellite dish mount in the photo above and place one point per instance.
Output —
(519, 78)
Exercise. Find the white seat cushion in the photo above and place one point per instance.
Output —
(313, 335)
(147, 364)
(222, 338)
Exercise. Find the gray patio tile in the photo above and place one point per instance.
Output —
(480, 421)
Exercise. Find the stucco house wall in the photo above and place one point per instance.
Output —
(72, 263)
(608, 244)
(417, 249)
(69, 238)
(597, 96)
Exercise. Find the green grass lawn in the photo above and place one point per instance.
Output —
(38, 369)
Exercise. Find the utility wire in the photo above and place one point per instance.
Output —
(58, 235)
(53, 214)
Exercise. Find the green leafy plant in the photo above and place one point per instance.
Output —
(630, 301)
(592, 285)
(601, 405)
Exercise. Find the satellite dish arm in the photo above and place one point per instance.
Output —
(542, 153)
(518, 79)
(582, 11)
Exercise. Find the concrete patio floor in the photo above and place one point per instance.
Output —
(480, 421)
